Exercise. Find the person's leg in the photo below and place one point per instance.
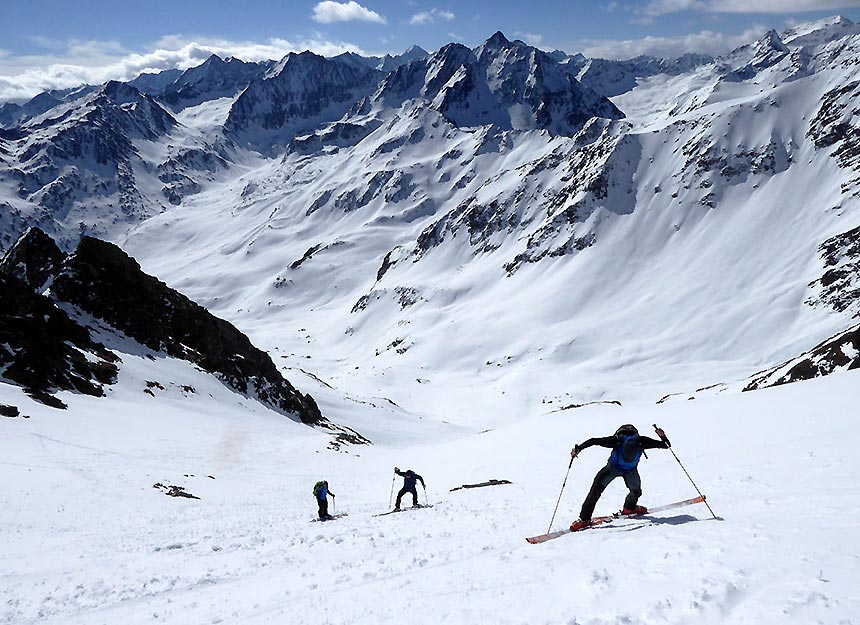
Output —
(601, 481)
(634, 483)
(414, 492)
(400, 494)
(323, 503)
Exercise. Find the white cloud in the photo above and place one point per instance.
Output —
(329, 12)
(663, 7)
(530, 37)
(75, 63)
(431, 17)
(703, 42)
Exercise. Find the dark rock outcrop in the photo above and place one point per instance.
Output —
(839, 287)
(838, 353)
(42, 349)
(100, 279)
(9, 411)
(33, 259)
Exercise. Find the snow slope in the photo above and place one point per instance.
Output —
(665, 252)
(88, 540)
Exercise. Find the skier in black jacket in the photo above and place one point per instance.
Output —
(410, 477)
(627, 447)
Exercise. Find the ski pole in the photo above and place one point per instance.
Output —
(391, 496)
(704, 499)
(426, 499)
(559, 495)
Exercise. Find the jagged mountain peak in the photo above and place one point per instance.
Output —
(120, 92)
(499, 43)
(819, 31)
(355, 60)
(213, 61)
(497, 40)
(212, 79)
(390, 63)
(301, 92)
(508, 84)
(771, 41)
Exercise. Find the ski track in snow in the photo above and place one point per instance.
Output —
(88, 540)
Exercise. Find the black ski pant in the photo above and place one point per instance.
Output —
(405, 490)
(323, 504)
(602, 480)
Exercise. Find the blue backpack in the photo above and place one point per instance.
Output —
(628, 443)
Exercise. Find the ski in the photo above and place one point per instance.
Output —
(333, 517)
(600, 520)
(418, 507)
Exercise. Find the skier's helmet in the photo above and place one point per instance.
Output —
(626, 429)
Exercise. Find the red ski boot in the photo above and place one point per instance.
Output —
(636, 510)
(579, 524)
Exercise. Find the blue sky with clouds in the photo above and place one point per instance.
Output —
(54, 43)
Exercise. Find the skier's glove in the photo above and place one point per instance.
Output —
(575, 451)
(662, 436)
(396, 469)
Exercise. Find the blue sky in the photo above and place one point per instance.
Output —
(53, 43)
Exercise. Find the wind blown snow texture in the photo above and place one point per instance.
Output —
(88, 540)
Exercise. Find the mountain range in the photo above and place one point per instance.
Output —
(527, 226)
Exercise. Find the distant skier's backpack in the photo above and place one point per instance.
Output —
(627, 451)
(318, 488)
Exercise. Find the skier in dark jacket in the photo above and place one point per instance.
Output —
(410, 477)
(321, 492)
(627, 447)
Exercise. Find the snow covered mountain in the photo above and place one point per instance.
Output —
(380, 209)
(215, 78)
(298, 94)
(612, 78)
(507, 84)
(75, 164)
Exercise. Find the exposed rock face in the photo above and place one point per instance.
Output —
(103, 281)
(509, 84)
(300, 93)
(33, 259)
(12, 114)
(215, 78)
(82, 151)
(839, 287)
(838, 353)
(42, 349)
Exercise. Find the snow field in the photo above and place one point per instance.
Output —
(90, 541)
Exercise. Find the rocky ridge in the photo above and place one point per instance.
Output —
(46, 348)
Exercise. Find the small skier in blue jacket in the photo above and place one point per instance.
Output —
(410, 477)
(627, 447)
(321, 492)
